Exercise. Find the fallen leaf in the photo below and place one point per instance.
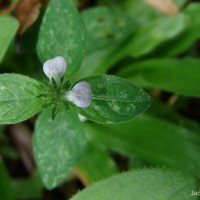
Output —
(27, 11)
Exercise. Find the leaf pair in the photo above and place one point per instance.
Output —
(113, 99)
(58, 143)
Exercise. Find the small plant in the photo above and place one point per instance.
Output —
(103, 98)
(82, 84)
(59, 138)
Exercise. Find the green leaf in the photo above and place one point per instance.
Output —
(178, 76)
(192, 10)
(179, 44)
(151, 35)
(136, 7)
(142, 41)
(157, 141)
(62, 33)
(7, 33)
(18, 98)
(142, 184)
(95, 158)
(57, 145)
(6, 192)
(110, 25)
(105, 47)
(186, 39)
(114, 100)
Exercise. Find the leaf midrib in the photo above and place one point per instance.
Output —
(119, 100)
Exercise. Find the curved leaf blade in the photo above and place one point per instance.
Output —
(62, 33)
(154, 140)
(114, 100)
(178, 76)
(110, 25)
(112, 28)
(57, 145)
(7, 33)
(151, 35)
(142, 184)
(18, 98)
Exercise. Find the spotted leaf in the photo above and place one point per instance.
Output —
(62, 33)
(57, 145)
(18, 98)
(114, 100)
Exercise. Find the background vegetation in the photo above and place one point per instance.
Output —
(152, 43)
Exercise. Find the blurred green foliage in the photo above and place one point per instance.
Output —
(133, 40)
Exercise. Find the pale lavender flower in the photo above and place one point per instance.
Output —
(80, 95)
(55, 68)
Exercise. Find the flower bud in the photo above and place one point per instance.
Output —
(55, 68)
(80, 95)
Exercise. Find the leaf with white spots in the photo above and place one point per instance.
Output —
(18, 98)
(62, 33)
(114, 100)
(57, 145)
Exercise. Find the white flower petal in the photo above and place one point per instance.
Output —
(55, 68)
